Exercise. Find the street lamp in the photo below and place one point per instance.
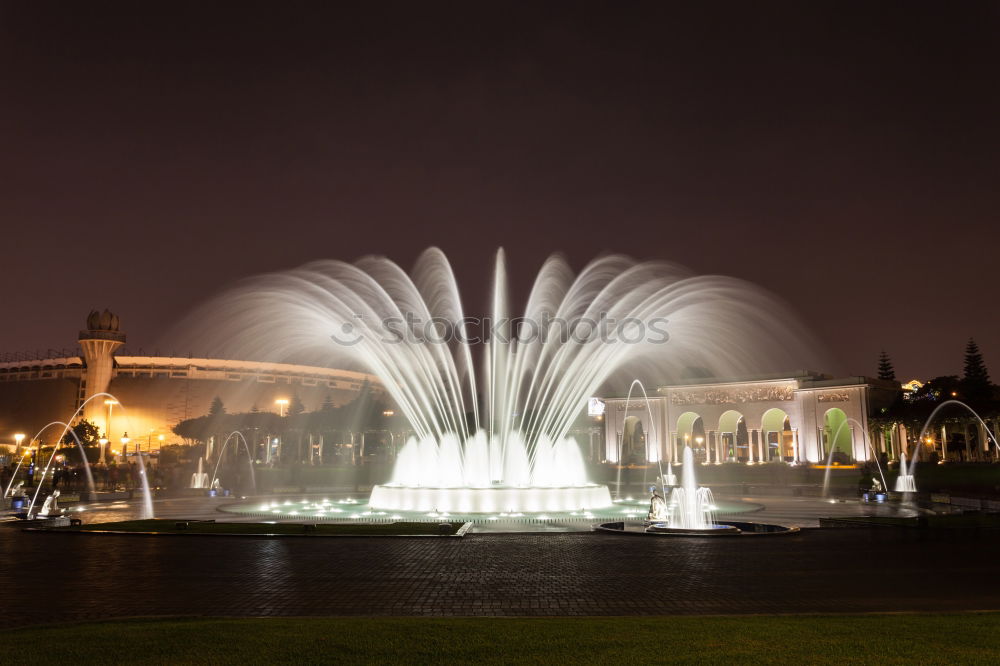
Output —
(18, 438)
(282, 404)
(125, 441)
(103, 441)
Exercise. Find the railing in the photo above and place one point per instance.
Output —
(37, 355)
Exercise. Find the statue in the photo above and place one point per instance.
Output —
(876, 485)
(657, 507)
(51, 506)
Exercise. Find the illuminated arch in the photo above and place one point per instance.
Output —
(779, 440)
(734, 437)
(838, 434)
(633, 444)
(690, 426)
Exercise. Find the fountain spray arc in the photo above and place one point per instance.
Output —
(927, 423)
(502, 426)
(833, 448)
(906, 482)
(246, 446)
(147, 504)
(652, 451)
(90, 479)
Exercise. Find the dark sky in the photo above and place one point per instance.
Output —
(843, 155)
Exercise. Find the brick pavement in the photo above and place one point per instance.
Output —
(50, 577)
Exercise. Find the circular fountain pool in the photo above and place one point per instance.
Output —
(349, 509)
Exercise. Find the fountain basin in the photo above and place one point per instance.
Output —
(491, 499)
(712, 530)
(722, 528)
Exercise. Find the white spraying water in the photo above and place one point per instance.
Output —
(690, 507)
(504, 422)
(905, 482)
(200, 478)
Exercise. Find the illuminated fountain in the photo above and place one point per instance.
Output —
(690, 511)
(691, 507)
(444, 477)
(146, 508)
(905, 482)
(495, 437)
(200, 478)
(216, 483)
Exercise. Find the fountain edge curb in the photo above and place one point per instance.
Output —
(459, 533)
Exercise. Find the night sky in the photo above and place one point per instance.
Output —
(843, 155)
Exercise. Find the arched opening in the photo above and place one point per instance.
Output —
(838, 435)
(779, 439)
(734, 438)
(633, 444)
(691, 432)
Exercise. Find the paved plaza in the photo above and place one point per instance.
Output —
(60, 577)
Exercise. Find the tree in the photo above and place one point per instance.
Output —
(938, 389)
(328, 404)
(217, 407)
(885, 369)
(296, 406)
(976, 380)
(85, 431)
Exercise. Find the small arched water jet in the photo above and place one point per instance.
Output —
(927, 423)
(37, 435)
(147, 506)
(215, 473)
(55, 450)
(650, 447)
(833, 448)
(91, 489)
(14, 475)
(45, 472)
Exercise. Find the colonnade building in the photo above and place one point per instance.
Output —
(794, 419)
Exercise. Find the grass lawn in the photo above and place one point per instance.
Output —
(320, 529)
(972, 638)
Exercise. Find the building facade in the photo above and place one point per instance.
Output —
(797, 419)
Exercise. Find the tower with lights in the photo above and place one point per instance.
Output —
(99, 343)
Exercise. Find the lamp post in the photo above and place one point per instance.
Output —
(103, 441)
(18, 438)
(282, 404)
(125, 441)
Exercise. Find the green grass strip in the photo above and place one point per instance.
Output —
(924, 639)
